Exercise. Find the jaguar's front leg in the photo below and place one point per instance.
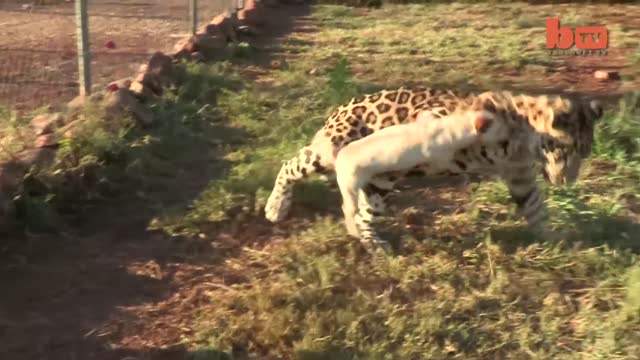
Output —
(366, 221)
(371, 206)
(530, 202)
(377, 192)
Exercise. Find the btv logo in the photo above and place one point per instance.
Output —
(586, 37)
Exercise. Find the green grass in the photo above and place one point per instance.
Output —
(472, 284)
(14, 134)
(635, 57)
(467, 282)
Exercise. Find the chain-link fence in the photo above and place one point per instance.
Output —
(39, 51)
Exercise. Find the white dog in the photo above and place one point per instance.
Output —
(401, 147)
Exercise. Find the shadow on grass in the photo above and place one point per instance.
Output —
(170, 353)
(181, 353)
(616, 232)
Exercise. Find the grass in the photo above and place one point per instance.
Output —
(468, 281)
(114, 161)
(635, 57)
(14, 132)
(469, 284)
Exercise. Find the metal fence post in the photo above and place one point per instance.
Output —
(193, 15)
(84, 52)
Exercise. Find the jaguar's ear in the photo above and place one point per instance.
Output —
(598, 109)
(482, 121)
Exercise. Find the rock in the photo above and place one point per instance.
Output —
(179, 73)
(212, 29)
(208, 45)
(117, 84)
(5, 211)
(161, 65)
(182, 55)
(12, 171)
(68, 130)
(184, 45)
(47, 140)
(231, 30)
(36, 157)
(124, 100)
(188, 45)
(46, 123)
(197, 57)
(224, 25)
(54, 108)
(150, 80)
(79, 101)
(206, 42)
(141, 91)
(247, 30)
(76, 102)
(606, 75)
(12, 174)
(271, 3)
(250, 4)
(252, 17)
(278, 64)
(275, 64)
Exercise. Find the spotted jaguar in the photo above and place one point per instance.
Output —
(564, 128)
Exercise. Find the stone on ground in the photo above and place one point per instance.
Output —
(124, 101)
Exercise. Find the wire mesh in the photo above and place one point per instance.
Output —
(207, 10)
(37, 54)
(38, 51)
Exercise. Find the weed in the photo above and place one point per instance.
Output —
(635, 57)
(13, 133)
(618, 136)
(527, 22)
(341, 88)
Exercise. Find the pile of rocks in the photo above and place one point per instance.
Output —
(132, 95)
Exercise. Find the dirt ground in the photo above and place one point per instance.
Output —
(38, 65)
(111, 289)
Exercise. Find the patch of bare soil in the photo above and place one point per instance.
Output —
(578, 73)
(111, 289)
(575, 75)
